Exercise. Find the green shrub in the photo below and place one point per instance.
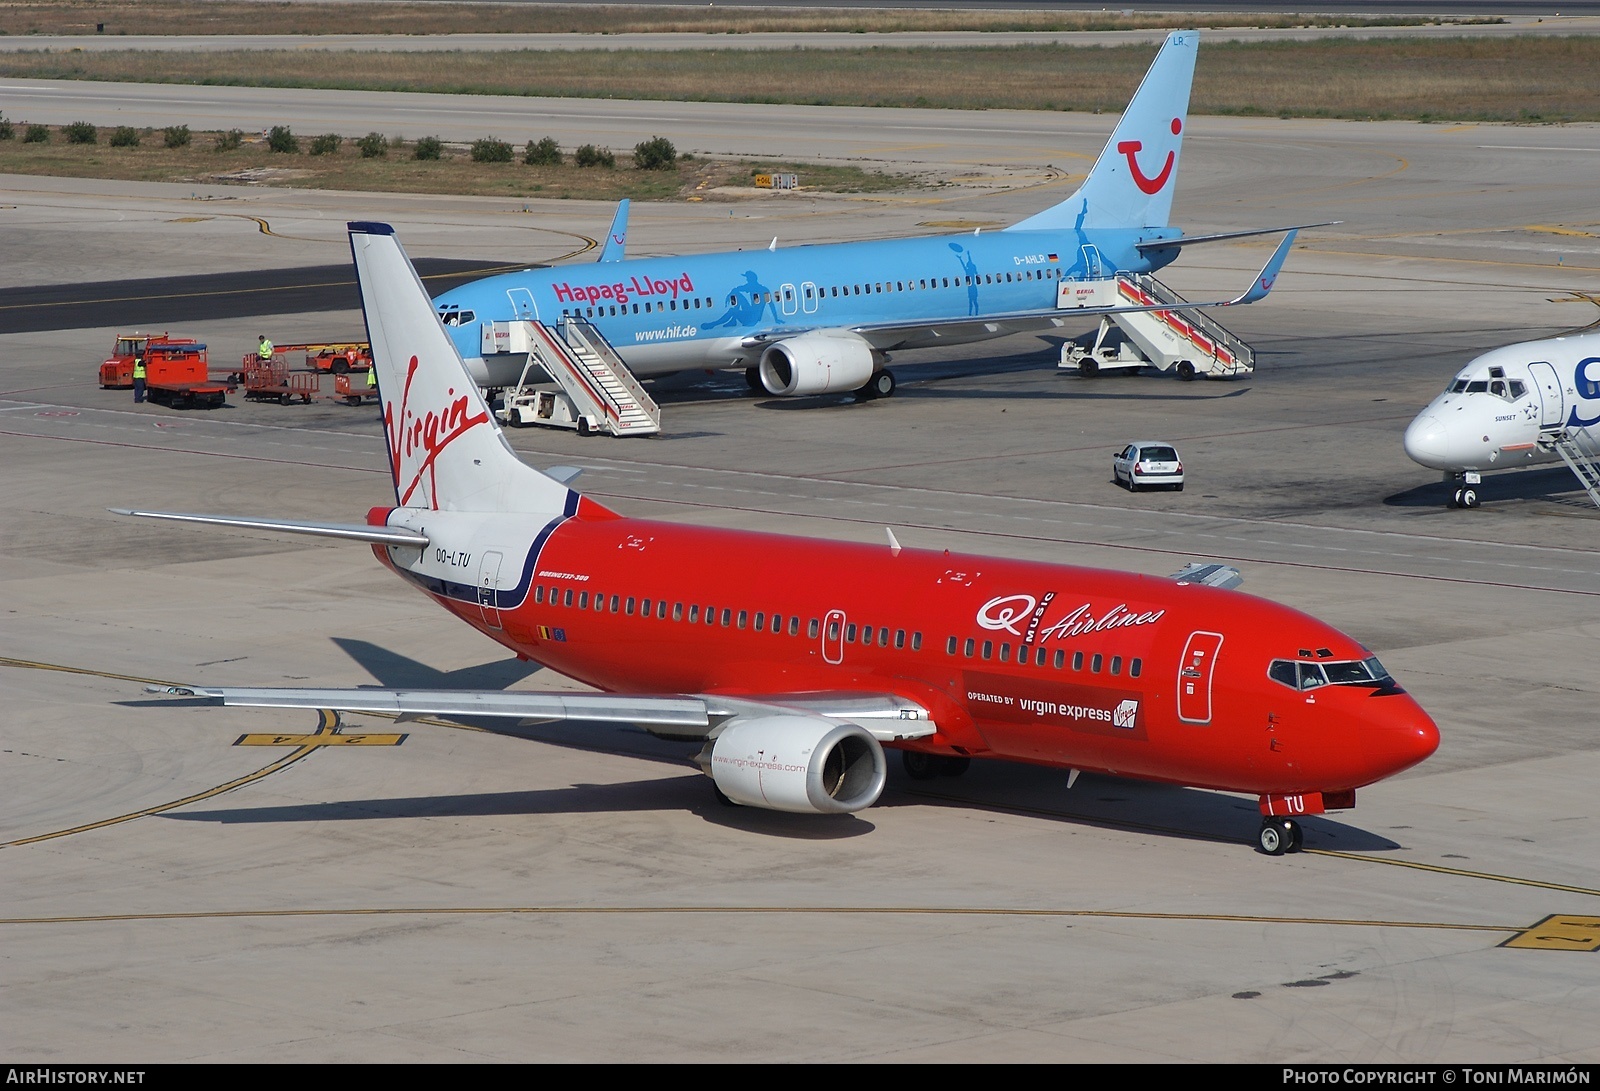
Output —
(7, 131)
(427, 148)
(80, 132)
(546, 153)
(176, 136)
(657, 153)
(490, 150)
(36, 134)
(230, 140)
(373, 146)
(591, 156)
(124, 136)
(280, 139)
(326, 144)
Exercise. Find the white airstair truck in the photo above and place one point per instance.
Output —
(572, 378)
(1188, 343)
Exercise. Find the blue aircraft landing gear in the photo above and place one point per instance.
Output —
(881, 385)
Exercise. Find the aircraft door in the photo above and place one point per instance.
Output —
(809, 294)
(1092, 269)
(833, 637)
(787, 300)
(1195, 671)
(1548, 384)
(522, 305)
(488, 578)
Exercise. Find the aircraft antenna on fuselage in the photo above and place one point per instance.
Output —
(1132, 182)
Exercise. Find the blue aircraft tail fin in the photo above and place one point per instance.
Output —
(1132, 182)
(616, 245)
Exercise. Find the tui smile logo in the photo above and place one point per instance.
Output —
(1132, 148)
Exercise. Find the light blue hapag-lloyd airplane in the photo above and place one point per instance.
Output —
(815, 319)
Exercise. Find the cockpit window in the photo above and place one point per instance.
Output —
(1510, 390)
(1352, 672)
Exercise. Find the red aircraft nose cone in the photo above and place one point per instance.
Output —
(1415, 738)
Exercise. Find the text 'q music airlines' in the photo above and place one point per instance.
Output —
(795, 662)
(819, 319)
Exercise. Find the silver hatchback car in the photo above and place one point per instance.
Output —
(1148, 462)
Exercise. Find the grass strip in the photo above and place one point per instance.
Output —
(252, 162)
(1458, 79)
(222, 17)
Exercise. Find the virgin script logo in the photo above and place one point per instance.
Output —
(425, 435)
(1131, 149)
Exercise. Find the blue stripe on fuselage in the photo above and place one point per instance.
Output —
(706, 297)
(510, 598)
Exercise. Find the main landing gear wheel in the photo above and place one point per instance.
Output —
(752, 379)
(1278, 836)
(919, 766)
(881, 385)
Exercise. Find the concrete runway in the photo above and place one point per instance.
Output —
(559, 893)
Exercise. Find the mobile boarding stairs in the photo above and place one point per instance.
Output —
(1190, 343)
(1578, 452)
(573, 378)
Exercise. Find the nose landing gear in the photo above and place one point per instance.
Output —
(1466, 489)
(1278, 836)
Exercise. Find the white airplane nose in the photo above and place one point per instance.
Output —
(1428, 442)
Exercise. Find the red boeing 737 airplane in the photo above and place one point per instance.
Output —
(796, 660)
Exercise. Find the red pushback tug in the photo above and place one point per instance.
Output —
(177, 372)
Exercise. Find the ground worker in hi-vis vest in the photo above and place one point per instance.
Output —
(138, 379)
(264, 350)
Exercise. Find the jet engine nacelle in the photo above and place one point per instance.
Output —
(816, 363)
(803, 764)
